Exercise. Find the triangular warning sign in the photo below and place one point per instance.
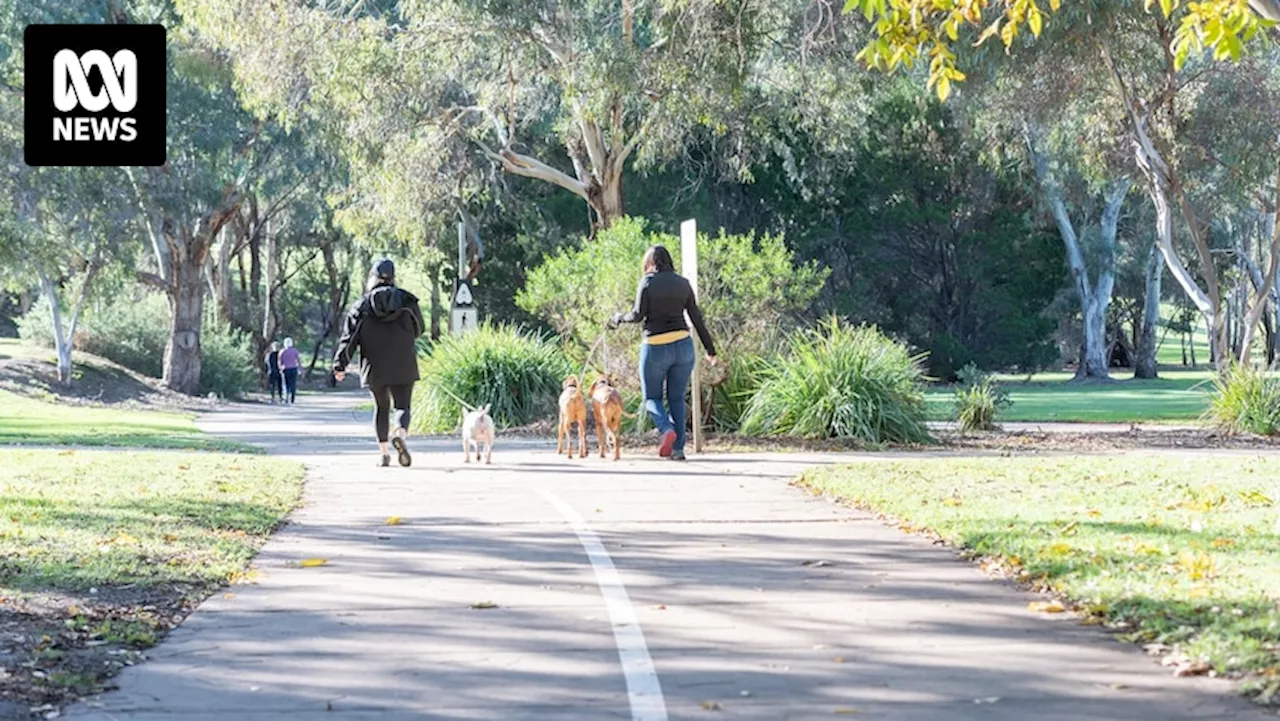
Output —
(464, 295)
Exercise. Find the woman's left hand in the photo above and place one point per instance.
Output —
(712, 360)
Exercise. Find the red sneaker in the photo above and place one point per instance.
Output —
(668, 440)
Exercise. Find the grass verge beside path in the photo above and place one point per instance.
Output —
(1174, 550)
(27, 421)
(1175, 396)
(101, 552)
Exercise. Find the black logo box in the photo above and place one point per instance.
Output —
(42, 43)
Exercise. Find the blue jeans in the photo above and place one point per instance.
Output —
(669, 365)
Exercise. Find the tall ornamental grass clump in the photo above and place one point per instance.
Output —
(1245, 400)
(516, 371)
(841, 381)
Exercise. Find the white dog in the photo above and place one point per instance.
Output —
(477, 428)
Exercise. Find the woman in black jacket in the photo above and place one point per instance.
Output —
(667, 354)
(383, 326)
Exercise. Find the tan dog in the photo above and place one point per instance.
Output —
(606, 404)
(573, 409)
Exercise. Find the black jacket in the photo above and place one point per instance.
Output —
(661, 302)
(382, 326)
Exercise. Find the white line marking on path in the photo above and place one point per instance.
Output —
(643, 687)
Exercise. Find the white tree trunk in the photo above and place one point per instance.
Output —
(271, 281)
(61, 344)
(1259, 306)
(1146, 365)
(1094, 297)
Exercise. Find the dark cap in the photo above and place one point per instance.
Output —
(384, 270)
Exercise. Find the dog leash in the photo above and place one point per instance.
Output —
(450, 393)
(582, 377)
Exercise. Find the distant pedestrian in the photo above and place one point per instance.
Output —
(271, 362)
(290, 363)
(383, 326)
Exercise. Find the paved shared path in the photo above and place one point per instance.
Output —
(588, 590)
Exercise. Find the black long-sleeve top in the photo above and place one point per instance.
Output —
(661, 302)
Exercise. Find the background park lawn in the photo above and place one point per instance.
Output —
(1177, 395)
(1185, 550)
(31, 421)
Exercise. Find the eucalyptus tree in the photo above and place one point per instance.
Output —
(1156, 62)
(443, 79)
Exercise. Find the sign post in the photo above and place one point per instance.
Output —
(689, 269)
(464, 318)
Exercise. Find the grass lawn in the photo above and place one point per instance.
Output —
(102, 552)
(1180, 550)
(25, 420)
(78, 519)
(1175, 396)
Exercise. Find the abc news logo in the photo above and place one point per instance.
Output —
(95, 95)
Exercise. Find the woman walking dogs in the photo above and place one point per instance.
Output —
(667, 355)
(383, 326)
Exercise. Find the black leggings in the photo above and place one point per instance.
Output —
(290, 384)
(383, 398)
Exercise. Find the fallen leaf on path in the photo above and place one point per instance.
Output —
(1223, 543)
(313, 562)
(484, 605)
(1195, 668)
(1046, 606)
(1059, 549)
(661, 607)
(710, 705)
(952, 502)
(817, 564)
(838, 659)
(1093, 513)
(228, 595)
(393, 521)
(1119, 686)
(847, 710)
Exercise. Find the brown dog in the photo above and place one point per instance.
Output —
(573, 409)
(606, 404)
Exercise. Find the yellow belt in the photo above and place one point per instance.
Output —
(667, 338)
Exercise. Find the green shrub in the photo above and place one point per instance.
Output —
(844, 382)
(228, 366)
(516, 371)
(1245, 400)
(979, 398)
(130, 330)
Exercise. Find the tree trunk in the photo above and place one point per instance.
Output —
(255, 250)
(1162, 185)
(189, 247)
(435, 304)
(182, 353)
(61, 343)
(1146, 365)
(1094, 297)
(269, 313)
(1254, 313)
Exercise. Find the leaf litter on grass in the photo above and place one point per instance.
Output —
(1148, 547)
